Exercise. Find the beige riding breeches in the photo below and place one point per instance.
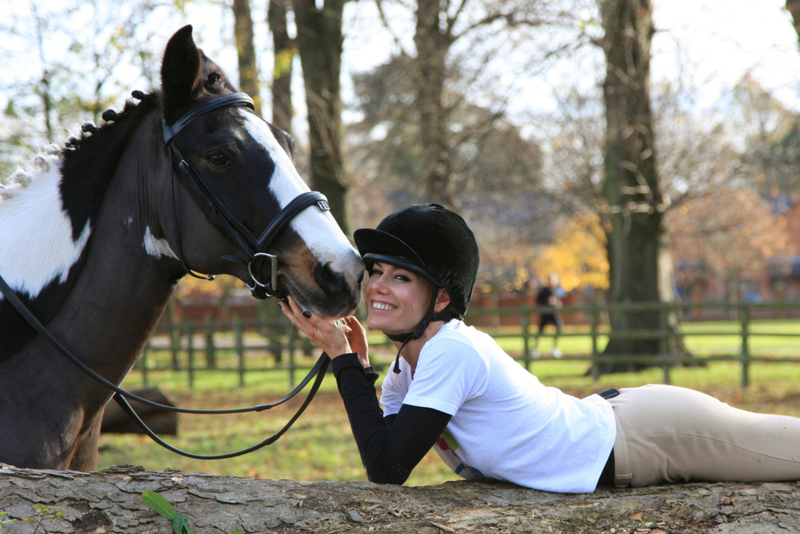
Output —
(671, 434)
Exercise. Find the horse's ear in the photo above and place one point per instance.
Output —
(180, 73)
(284, 139)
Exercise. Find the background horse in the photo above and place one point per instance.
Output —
(94, 239)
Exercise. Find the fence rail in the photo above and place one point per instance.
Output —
(242, 347)
(186, 342)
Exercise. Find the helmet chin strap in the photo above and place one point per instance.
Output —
(427, 320)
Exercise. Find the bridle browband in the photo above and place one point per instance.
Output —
(252, 247)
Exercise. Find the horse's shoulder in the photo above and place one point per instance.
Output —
(15, 333)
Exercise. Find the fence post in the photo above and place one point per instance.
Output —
(174, 335)
(593, 327)
(526, 353)
(663, 344)
(292, 338)
(190, 352)
(211, 356)
(239, 340)
(745, 357)
(143, 363)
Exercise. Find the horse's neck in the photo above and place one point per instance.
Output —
(121, 290)
(125, 269)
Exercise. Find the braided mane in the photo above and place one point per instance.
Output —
(89, 162)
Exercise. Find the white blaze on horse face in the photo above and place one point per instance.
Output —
(318, 229)
(36, 234)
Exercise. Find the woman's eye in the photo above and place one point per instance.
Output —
(374, 272)
(218, 160)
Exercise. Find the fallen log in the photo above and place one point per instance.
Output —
(111, 501)
(160, 420)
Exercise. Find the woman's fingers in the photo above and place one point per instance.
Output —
(293, 306)
(287, 311)
(325, 335)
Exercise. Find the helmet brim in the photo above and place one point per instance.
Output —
(376, 246)
(371, 259)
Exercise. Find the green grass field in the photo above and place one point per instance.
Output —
(320, 446)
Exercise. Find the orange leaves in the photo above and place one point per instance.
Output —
(577, 255)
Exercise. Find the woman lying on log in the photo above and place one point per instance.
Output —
(453, 388)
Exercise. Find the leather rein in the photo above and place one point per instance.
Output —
(253, 248)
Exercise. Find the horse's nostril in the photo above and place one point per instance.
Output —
(329, 280)
(341, 292)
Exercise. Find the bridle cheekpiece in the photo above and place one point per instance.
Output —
(253, 247)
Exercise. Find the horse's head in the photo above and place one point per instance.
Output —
(237, 176)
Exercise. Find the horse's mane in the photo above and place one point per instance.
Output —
(90, 161)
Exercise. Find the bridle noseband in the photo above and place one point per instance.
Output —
(253, 247)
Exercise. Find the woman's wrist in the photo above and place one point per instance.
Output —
(335, 353)
(345, 361)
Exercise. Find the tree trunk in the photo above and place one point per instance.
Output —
(283, 57)
(111, 501)
(641, 269)
(319, 41)
(44, 88)
(246, 51)
(432, 45)
(793, 7)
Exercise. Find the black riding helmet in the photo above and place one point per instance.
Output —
(432, 241)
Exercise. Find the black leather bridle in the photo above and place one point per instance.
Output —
(253, 248)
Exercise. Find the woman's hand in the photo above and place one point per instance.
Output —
(331, 338)
(357, 338)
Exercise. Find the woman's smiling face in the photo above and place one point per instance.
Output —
(397, 299)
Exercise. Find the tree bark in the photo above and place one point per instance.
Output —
(433, 44)
(283, 57)
(793, 7)
(246, 51)
(319, 42)
(640, 264)
(111, 501)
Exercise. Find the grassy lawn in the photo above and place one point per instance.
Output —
(320, 445)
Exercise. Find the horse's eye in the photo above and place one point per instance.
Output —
(218, 160)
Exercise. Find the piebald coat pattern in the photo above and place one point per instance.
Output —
(94, 238)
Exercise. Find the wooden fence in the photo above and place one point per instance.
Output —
(742, 314)
(275, 345)
(196, 347)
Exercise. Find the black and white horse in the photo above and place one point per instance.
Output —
(94, 238)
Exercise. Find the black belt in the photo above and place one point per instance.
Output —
(609, 393)
(607, 477)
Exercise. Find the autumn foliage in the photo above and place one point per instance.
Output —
(577, 254)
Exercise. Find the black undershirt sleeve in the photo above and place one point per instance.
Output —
(390, 447)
